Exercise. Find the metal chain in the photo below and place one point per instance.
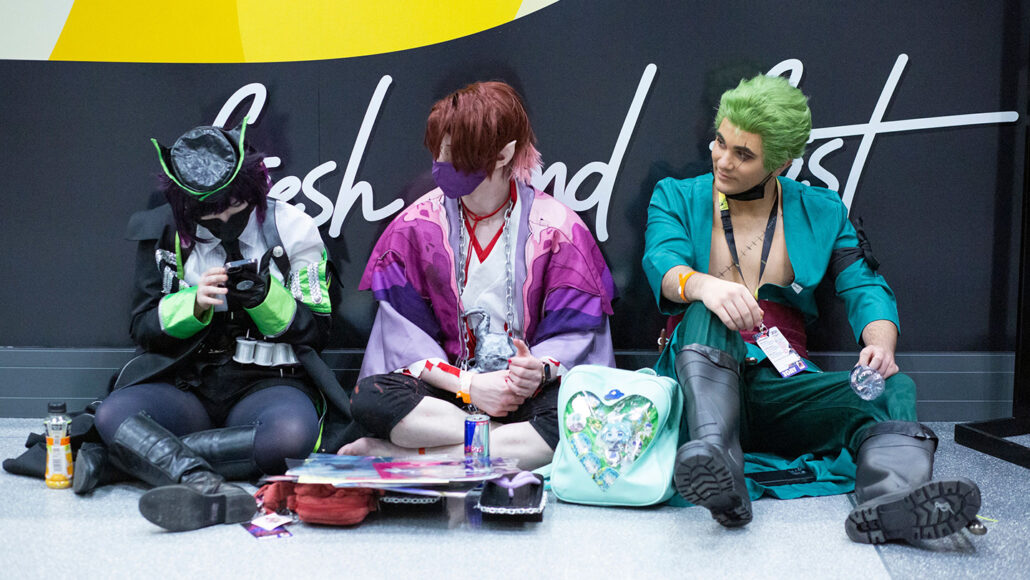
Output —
(462, 252)
(513, 511)
(509, 273)
(408, 499)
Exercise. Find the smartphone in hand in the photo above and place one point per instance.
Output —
(237, 266)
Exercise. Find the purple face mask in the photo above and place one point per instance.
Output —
(456, 183)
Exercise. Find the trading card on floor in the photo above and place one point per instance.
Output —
(263, 534)
(271, 521)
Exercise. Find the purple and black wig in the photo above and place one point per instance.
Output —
(250, 186)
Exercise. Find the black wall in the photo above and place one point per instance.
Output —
(941, 205)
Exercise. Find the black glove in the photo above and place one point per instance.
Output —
(247, 285)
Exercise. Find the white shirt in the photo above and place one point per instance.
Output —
(300, 239)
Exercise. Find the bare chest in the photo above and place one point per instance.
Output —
(750, 236)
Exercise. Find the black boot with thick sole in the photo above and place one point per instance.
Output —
(897, 500)
(703, 478)
(933, 510)
(709, 469)
(190, 494)
(198, 502)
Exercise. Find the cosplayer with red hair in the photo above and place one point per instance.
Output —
(488, 290)
(231, 305)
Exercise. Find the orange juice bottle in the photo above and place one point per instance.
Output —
(58, 447)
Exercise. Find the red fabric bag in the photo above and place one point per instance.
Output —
(319, 503)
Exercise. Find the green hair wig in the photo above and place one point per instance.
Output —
(771, 108)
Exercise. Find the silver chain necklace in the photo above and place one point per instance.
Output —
(509, 274)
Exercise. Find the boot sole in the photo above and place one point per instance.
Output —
(179, 508)
(933, 510)
(702, 478)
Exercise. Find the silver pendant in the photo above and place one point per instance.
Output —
(493, 349)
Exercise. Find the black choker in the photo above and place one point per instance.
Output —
(756, 192)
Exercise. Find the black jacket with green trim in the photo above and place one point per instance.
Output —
(161, 354)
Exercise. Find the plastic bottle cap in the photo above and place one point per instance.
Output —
(53, 407)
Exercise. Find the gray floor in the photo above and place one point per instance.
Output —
(56, 533)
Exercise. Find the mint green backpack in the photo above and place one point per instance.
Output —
(618, 434)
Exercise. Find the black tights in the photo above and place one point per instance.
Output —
(286, 420)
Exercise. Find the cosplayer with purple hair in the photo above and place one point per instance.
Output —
(231, 305)
(488, 290)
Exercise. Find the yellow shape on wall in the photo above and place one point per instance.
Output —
(180, 31)
(354, 28)
(219, 31)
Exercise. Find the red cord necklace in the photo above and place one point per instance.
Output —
(472, 222)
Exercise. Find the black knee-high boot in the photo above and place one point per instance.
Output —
(897, 499)
(229, 451)
(709, 468)
(191, 495)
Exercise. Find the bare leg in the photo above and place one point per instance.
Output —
(513, 441)
(370, 446)
(520, 441)
(439, 428)
(432, 423)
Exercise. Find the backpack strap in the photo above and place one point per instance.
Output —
(270, 233)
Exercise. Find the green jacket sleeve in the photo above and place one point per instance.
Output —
(667, 240)
(302, 313)
(865, 292)
(175, 312)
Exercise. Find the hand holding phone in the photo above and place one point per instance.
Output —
(210, 290)
(247, 285)
(238, 266)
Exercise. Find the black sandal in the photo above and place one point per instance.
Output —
(517, 495)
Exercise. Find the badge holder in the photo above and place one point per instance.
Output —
(779, 352)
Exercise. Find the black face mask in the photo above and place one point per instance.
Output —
(756, 192)
(230, 229)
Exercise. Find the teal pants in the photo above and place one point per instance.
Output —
(811, 412)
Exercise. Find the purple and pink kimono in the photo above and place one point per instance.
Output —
(563, 288)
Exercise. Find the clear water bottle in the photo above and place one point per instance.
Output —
(58, 447)
(866, 382)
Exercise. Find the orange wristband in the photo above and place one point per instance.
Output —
(464, 387)
(683, 283)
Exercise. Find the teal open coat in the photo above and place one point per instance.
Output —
(815, 223)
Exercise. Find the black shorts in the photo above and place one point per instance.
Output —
(380, 402)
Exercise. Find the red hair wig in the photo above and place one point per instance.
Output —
(481, 119)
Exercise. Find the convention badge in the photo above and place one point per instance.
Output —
(271, 521)
(779, 351)
(263, 534)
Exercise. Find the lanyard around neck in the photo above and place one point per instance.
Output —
(770, 231)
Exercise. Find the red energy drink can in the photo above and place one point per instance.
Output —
(477, 441)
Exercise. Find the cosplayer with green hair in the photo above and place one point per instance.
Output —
(772, 108)
(716, 258)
